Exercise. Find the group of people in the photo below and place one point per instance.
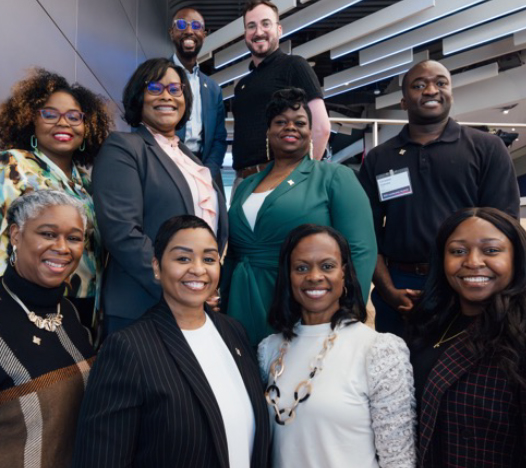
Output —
(144, 242)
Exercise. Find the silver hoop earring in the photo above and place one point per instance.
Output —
(33, 142)
(82, 147)
(268, 151)
(12, 257)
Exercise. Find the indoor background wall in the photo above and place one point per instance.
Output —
(98, 43)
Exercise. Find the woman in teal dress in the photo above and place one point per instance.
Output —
(294, 189)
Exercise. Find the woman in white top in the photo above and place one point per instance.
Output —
(339, 393)
(180, 387)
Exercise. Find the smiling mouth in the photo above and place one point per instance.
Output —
(290, 138)
(165, 108)
(63, 136)
(56, 267)
(195, 285)
(476, 280)
(189, 43)
(431, 103)
(315, 293)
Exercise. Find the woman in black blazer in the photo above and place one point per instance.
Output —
(143, 178)
(468, 345)
(181, 386)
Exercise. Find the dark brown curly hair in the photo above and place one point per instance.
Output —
(17, 113)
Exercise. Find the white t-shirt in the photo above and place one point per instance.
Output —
(252, 206)
(229, 390)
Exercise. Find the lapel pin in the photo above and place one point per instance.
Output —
(243, 87)
(36, 340)
(402, 152)
(238, 352)
(206, 86)
(290, 182)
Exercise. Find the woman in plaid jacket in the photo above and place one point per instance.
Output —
(468, 345)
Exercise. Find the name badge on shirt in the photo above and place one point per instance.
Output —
(394, 184)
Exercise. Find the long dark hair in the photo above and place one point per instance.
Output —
(500, 331)
(285, 311)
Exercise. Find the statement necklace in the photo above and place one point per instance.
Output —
(443, 338)
(304, 389)
(50, 324)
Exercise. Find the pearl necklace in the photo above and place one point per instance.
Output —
(50, 324)
(304, 389)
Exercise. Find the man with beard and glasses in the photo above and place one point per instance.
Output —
(205, 132)
(414, 181)
(271, 70)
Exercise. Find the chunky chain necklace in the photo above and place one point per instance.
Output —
(304, 389)
(50, 324)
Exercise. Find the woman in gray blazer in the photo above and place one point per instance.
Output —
(141, 179)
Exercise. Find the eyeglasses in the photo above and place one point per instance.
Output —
(265, 25)
(51, 116)
(182, 24)
(156, 89)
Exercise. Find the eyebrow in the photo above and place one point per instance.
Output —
(189, 250)
(488, 239)
(423, 78)
(55, 226)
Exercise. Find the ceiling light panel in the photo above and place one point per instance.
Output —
(290, 25)
(485, 33)
(235, 29)
(519, 38)
(354, 74)
(442, 8)
(443, 27)
(363, 26)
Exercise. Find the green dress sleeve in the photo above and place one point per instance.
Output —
(351, 214)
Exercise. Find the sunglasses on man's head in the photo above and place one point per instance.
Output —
(182, 24)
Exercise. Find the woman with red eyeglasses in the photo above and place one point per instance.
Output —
(143, 178)
(50, 132)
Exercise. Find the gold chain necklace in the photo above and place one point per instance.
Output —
(49, 324)
(443, 338)
(303, 389)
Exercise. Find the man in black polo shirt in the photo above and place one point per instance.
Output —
(431, 169)
(271, 70)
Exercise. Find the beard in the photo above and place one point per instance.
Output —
(187, 54)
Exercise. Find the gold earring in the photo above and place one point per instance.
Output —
(311, 150)
(268, 151)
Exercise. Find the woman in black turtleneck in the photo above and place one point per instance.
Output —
(45, 353)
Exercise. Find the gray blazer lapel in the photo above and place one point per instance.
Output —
(185, 359)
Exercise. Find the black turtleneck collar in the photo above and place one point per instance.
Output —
(32, 294)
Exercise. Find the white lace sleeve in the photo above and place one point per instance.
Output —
(392, 400)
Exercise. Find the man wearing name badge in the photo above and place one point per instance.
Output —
(271, 69)
(415, 180)
(205, 132)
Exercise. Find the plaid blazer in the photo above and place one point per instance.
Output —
(471, 415)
